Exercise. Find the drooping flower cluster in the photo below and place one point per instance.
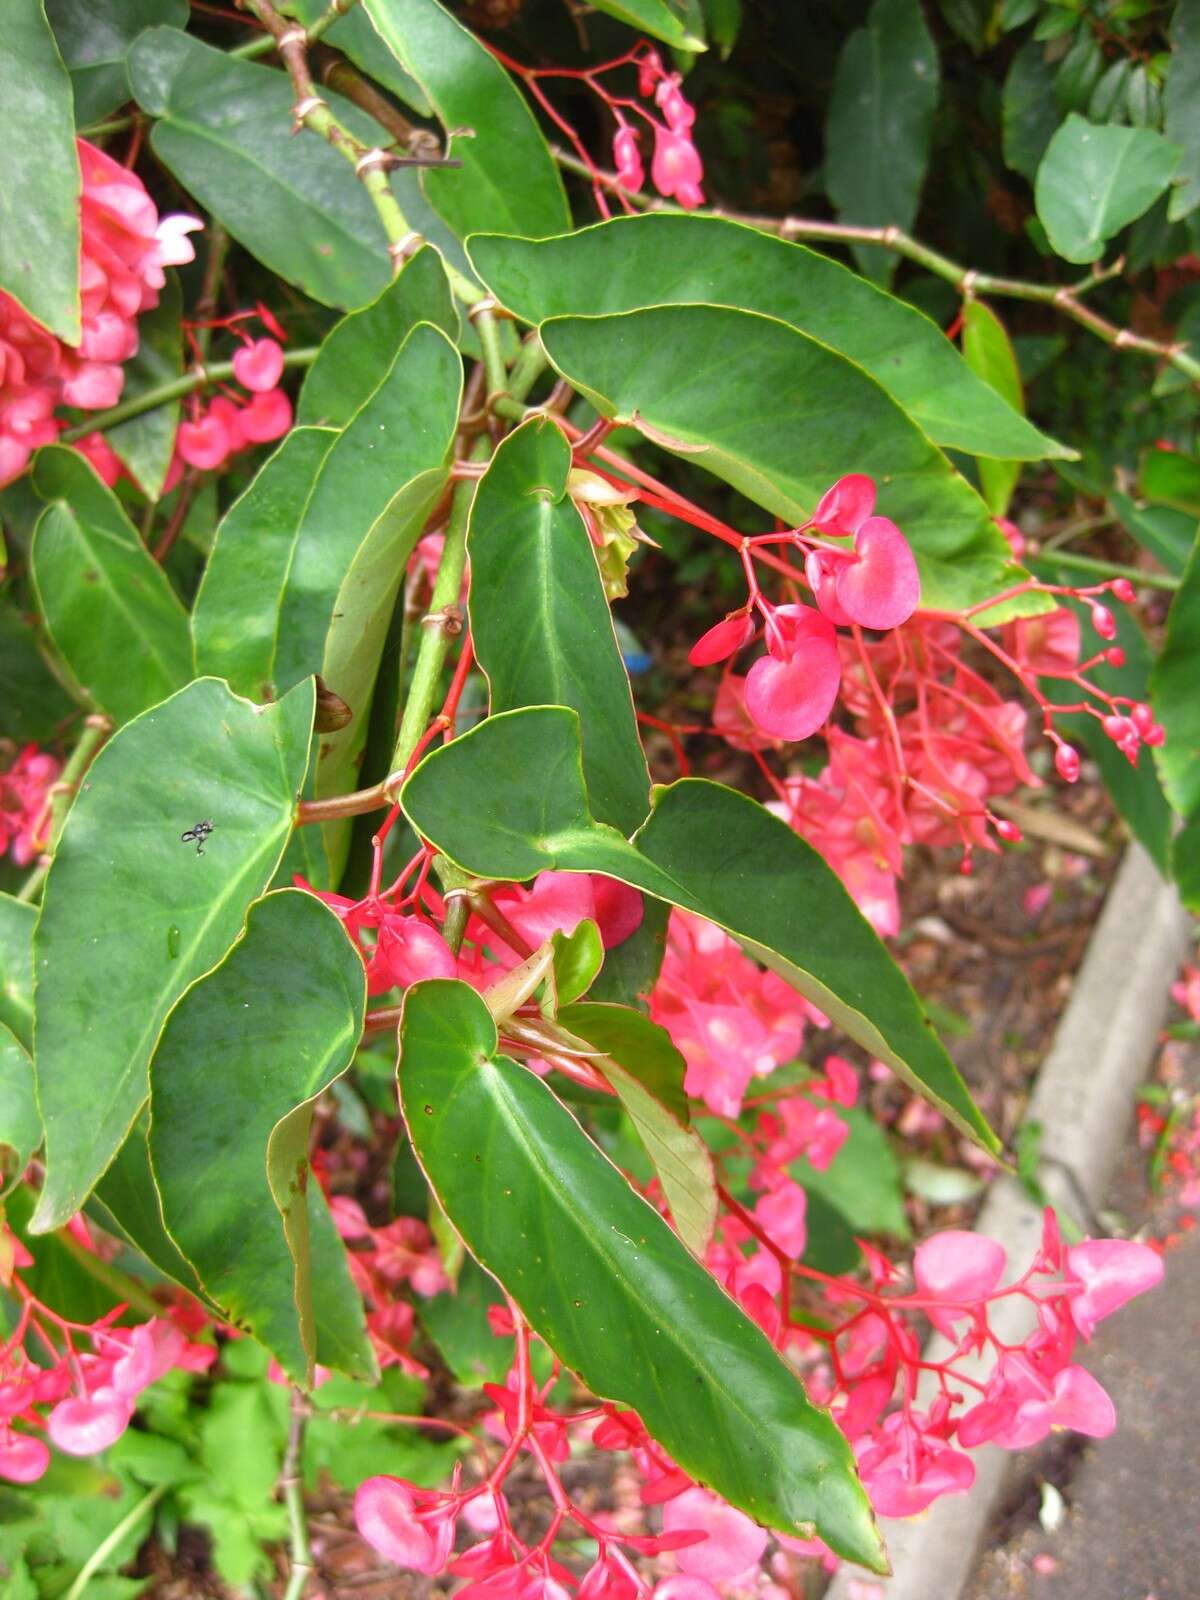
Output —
(730, 1019)
(382, 1260)
(125, 246)
(230, 423)
(83, 1398)
(24, 793)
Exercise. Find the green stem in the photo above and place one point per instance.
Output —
(291, 1481)
(333, 12)
(214, 372)
(531, 362)
(488, 329)
(97, 130)
(1109, 569)
(95, 730)
(114, 1280)
(107, 1545)
(435, 639)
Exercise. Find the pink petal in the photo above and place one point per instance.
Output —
(618, 909)
(385, 1515)
(881, 588)
(259, 366)
(844, 508)
(722, 641)
(1112, 1271)
(22, 1459)
(1082, 1404)
(957, 1265)
(267, 417)
(821, 570)
(734, 1543)
(792, 699)
(84, 1427)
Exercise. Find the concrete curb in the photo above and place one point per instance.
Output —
(1082, 1099)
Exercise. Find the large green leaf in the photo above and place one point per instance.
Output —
(781, 417)
(356, 353)
(39, 173)
(1181, 106)
(540, 623)
(706, 848)
(20, 1125)
(880, 123)
(1185, 862)
(508, 179)
(668, 20)
(146, 444)
(233, 1083)
(223, 129)
(127, 1203)
(94, 37)
(1029, 113)
(33, 702)
(107, 604)
(607, 1284)
(1175, 687)
(267, 602)
(1094, 180)
(16, 966)
(672, 259)
(988, 351)
(132, 914)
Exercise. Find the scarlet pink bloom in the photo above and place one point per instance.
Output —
(409, 1527)
(1108, 1272)
(723, 640)
(781, 1211)
(680, 115)
(734, 1543)
(791, 690)
(203, 443)
(24, 791)
(821, 570)
(627, 157)
(557, 902)
(677, 170)
(879, 586)
(732, 720)
(407, 950)
(267, 417)
(1049, 644)
(843, 509)
(83, 1427)
(22, 1459)
(906, 1466)
(957, 1266)
(258, 366)
(105, 462)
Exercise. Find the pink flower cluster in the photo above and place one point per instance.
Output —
(90, 1388)
(382, 1260)
(676, 169)
(730, 1019)
(125, 246)
(227, 424)
(24, 792)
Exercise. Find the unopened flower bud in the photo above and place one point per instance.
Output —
(1115, 656)
(1142, 718)
(1104, 622)
(1123, 589)
(1066, 762)
(598, 491)
(1009, 831)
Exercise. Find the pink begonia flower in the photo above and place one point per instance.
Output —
(103, 459)
(203, 443)
(557, 902)
(821, 570)
(734, 1543)
(906, 1465)
(628, 159)
(1110, 1273)
(408, 1526)
(879, 587)
(792, 689)
(258, 366)
(683, 1586)
(723, 640)
(1046, 644)
(732, 720)
(22, 1459)
(266, 417)
(408, 949)
(781, 1211)
(842, 510)
(957, 1265)
(83, 1427)
(24, 792)
(676, 169)
(1020, 1407)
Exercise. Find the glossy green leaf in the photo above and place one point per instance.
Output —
(631, 968)
(1181, 106)
(879, 124)
(667, 20)
(1172, 476)
(94, 37)
(1185, 862)
(1175, 697)
(33, 702)
(671, 259)
(724, 20)
(107, 604)
(265, 608)
(354, 36)
(608, 1285)
(233, 1083)
(1166, 532)
(223, 129)
(989, 353)
(20, 1125)
(358, 628)
(127, 1203)
(1094, 180)
(468, 88)
(17, 921)
(640, 1045)
(782, 417)
(146, 444)
(39, 174)
(355, 355)
(578, 957)
(57, 1277)
(863, 1182)
(132, 914)
(1029, 115)
(540, 623)
(706, 848)
(646, 1072)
